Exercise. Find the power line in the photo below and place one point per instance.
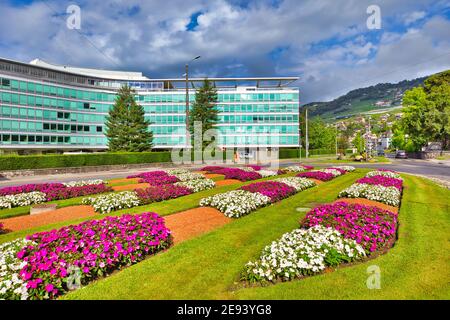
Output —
(58, 15)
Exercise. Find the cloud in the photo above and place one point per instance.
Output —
(326, 43)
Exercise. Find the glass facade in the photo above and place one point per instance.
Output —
(37, 114)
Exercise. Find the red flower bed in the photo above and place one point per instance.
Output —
(73, 192)
(239, 174)
(319, 175)
(275, 190)
(373, 228)
(42, 187)
(160, 193)
(383, 181)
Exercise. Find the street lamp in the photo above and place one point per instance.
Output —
(187, 101)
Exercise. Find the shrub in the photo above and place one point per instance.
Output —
(371, 227)
(91, 249)
(275, 190)
(160, 193)
(300, 253)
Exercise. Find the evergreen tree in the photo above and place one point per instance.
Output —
(204, 108)
(126, 127)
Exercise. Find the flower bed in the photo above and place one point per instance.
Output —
(300, 253)
(384, 173)
(347, 168)
(82, 183)
(236, 203)
(160, 193)
(387, 195)
(371, 227)
(333, 171)
(299, 184)
(382, 181)
(73, 192)
(319, 175)
(255, 167)
(212, 169)
(22, 199)
(293, 169)
(239, 174)
(267, 173)
(27, 188)
(12, 286)
(341, 171)
(197, 185)
(189, 176)
(2, 228)
(114, 201)
(157, 178)
(86, 251)
(275, 190)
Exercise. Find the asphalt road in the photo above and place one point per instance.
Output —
(412, 166)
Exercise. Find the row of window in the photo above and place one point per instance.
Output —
(231, 129)
(50, 90)
(31, 126)
(38, 139)
(236, 140)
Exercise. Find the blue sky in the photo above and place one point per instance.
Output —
(326, 43)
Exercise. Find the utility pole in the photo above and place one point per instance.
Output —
(188, 139)
(306, 134)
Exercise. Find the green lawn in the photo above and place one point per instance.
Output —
(208, 267)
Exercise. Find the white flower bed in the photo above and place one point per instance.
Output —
(189, 176)
(197, 185)
(237, 203)
(114, 201)
(267, 173)
(22, 199)
(387, 174)
(387, 195)
(346, 168)
(294, 169)
(334, 172)
(176, 171)
(12, 287)
(82, 183)
(302, 252)
(248, 169)
(298, 183)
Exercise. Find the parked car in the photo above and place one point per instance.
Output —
(401, 154)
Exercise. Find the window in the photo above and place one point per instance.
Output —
(86, 105)
(99, 129)
(5, 83)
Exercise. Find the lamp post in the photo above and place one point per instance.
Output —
(187, 101)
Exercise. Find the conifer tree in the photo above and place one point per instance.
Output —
(126, 127)
(204, 108)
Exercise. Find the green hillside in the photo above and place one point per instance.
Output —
(387, 95)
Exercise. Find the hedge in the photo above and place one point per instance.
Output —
(15, 162)
(80, 160)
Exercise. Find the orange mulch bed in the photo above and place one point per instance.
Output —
(122, 180)
(42, 219)
(369, 203)
(194, 222)
(317, 181)
(128, 187)
(226, 182)
(212, 175)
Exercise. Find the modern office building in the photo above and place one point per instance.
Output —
(51, 107)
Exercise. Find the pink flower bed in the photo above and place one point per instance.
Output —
(373, 228)
(212, 169)
(155, 178)
(95, 248)
(239, 174)
(2, 230)
(338, 169)
(42, 187)
(160, 193)
(73, 192)
(383, 181)
(319, 175)
(254, 167)
(275, 190)
(307, 167)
